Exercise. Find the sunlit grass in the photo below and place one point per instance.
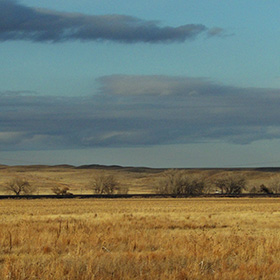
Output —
(140, 239)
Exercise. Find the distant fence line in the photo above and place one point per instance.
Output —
(112, 196)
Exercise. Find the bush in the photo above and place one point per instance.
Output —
(262, 189)
(254, 190)
(177, 182)
(265, 189)
(104, 184)
(59, 190)
(19, 186)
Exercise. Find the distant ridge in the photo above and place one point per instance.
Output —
(35, 167)
(123, 168)
(268, 169)
(140, 169)
(99, 166)
(63, 166)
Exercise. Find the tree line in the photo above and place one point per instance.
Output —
(179, 182)
(101, 184)
(173, 182)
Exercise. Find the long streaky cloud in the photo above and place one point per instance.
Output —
(19, 22)
(166, 110)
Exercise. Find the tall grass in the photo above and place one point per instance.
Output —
(140, 239)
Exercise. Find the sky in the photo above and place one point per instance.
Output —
(165, 83)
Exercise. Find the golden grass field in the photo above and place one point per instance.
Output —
(195, 238)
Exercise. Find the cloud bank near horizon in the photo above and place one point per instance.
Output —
(165, 110)
(19, 22)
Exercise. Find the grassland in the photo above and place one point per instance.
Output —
(194, 238)
(78, 179)
(137, 180)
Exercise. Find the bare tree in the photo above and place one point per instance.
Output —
(104, 184)
(19, 186)
(231, 184)
(122, 190)
(274, 185)
(177, 182)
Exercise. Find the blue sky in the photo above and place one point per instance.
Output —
(151, 83)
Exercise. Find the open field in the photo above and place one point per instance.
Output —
(137, 180)
(194, 238)
(78, 179)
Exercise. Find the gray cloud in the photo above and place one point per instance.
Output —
(18, 22)
(165, 110)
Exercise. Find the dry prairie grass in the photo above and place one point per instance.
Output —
(195, 238)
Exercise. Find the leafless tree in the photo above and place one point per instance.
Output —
(178, 182)
(104, 184)
(122, 190)
(19, 186)
(231, 184)
(274, 184)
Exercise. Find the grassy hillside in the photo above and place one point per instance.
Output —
(137, 179)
